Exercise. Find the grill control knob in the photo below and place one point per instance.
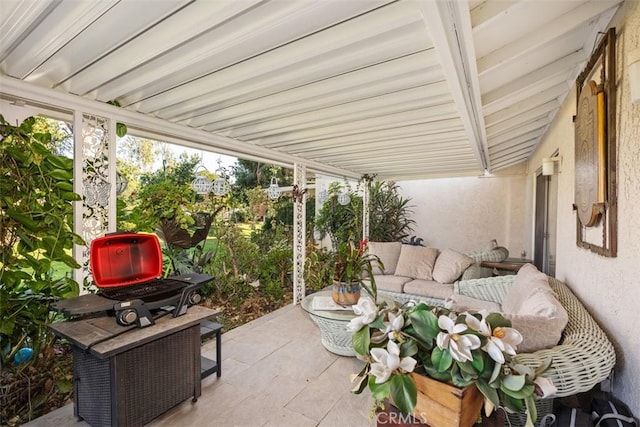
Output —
(195, 298)
(127, 317)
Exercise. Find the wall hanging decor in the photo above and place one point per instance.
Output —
(595, 151)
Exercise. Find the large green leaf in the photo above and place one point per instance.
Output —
(425, 324)
(514, 382)
(379, 391)
(360, 341)
(488, 392)
(441, 359)
(61, 174)
(403, 393)
(526, 390)
(22, 219)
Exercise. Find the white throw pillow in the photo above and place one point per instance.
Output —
(538, 332)
(388, 252)
(527, 280)
(540, 319)
(416, 262)
(450, 265)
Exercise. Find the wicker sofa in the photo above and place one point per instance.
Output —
(411, 285)
(583, 357)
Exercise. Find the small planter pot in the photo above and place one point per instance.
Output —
(345, 293)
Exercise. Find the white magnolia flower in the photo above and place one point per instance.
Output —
(388, 361)
(545, 387)
(366, 312)
(459, 346)
(499, 340)
(394, 325)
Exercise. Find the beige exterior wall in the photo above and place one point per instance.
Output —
(465, 213)
(609, 287)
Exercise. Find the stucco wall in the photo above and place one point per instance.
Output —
(466, 213)
(609, 287)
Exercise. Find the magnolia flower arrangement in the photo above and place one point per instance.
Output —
(457, 348)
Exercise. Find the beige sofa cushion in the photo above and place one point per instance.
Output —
(526, 282)
(538, 316)
(450, 265)
(391, 283)
(388, 252)
(538, 332)
(429, 288)
(416, 262)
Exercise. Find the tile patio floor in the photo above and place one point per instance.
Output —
(275, 372)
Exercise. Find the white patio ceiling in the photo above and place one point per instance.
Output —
(400, 89)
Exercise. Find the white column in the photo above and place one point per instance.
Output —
(365, 209)
(299, 231)
(94, 173)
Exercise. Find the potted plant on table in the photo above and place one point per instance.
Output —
(349, 267)
(415, 349)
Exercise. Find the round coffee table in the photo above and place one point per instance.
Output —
(333, 323)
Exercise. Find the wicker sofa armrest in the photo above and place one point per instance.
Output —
(472, 272)
(488, 289)
(584, 356)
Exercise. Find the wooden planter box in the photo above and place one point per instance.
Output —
(443, 405)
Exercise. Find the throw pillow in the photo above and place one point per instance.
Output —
(388, 252)
(538, 332)
(450, 265)
(527, 280)
(416, 262)
(542, 302)
(540, 319)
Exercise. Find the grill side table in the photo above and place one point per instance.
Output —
(125, 376)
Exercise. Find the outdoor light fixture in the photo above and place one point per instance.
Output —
(344, 198)
(323, 196)
(549, 165)
(201, 184)
(121, 183)
(220, 185)
(273, 191)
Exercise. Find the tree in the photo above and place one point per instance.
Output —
(36, 223)
(250, 174)
(389, 215)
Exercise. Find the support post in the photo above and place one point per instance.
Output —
(94, 172)
(365, 209)
(299, 231)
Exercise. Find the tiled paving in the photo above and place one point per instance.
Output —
(275, 372)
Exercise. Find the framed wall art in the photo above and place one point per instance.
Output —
(595, 151)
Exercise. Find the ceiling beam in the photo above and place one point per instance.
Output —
(449, 23)
(31, 93)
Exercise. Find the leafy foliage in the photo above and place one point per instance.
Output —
(250, 174)
(462, 349)
(36, 214)
(389, 214)
(342, 223)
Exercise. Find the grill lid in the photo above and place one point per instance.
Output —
(124, 259)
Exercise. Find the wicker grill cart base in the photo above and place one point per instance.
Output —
(129, 376)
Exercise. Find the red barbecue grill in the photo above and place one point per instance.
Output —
(127, 269)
